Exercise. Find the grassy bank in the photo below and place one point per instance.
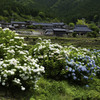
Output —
(92, 43)
(49, 89)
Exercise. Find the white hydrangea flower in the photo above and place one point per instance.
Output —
(18, 46)
(11, 51)
(22, 88)
(5, 29)
(25, 44)
(22, 52)
(11, 39)
(3, 83)
(1, 62)
(22, 38)
(17, 37)
(4, 65)
(17, 81)
(1, 45)
(26, 77)
(5, 75)
(13, 61)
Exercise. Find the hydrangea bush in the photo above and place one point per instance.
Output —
(17, 67)
(81, 64)
(78, 64)
(97, 60)
(51, 56)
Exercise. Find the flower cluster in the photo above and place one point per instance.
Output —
(50, 55)
(44, 48)
(97, 60)
(17, 67)
(80, 64)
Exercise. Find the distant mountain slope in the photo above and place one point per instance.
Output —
(73, 9)
(65, 10)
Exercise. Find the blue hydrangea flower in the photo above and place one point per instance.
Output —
(74, 77)
(73, 74)
(73, 70)
(70, 69)
(85, 77)
(87, 85)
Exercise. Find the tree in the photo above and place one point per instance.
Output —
(71, 24)
(81, 22)
(41, 14)
(92, 34)
(93, 27)
(95, 18)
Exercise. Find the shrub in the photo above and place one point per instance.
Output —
(74, 34)
(92, 34)
(50, 56)
(31, 27)
(71, 24)
(17, 68)
(97, 60)
(81, 65)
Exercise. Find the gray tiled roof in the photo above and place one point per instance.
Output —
(58, 24)
(43, 24)
(81, 28)
(49, 24)
(58, 29)
(14, 22)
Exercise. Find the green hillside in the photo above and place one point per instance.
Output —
(64, 10)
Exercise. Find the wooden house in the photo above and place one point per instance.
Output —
(2, 24)
(48, 32)
(18, 24)
(81, 29)
(58, 25)
(60, 32)
(43, 25)
(48, 25)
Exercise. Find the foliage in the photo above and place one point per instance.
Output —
(74, 34)
(50, 56)
(17, 68)
(81, 22)
(71, 25)
(42, 14)
(31, 27)
(81, 64)
(93, 27)
(64, 10)
(97, 60)
(92, 34)
(62, 90)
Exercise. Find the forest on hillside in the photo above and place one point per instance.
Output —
(50, 10)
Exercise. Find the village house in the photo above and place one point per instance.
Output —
(48, 25)
(60, 32)
(81, 29)
(58, 25)
(56, 32)
(43, 25)
(48, 32)
(18, 24)
(2, 24)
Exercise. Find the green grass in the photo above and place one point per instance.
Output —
(32, 30)
(63, 90)
(56, 90)
(92, 43)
